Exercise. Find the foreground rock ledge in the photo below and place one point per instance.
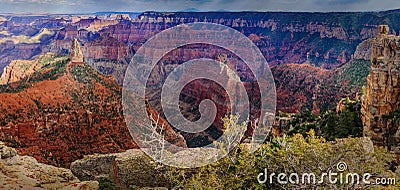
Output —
(132, 168)
(24, 172)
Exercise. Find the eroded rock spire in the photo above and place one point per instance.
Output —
(76, 52)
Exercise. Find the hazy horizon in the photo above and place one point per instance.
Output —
(200, 11)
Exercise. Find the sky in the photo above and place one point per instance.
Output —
(91, 6)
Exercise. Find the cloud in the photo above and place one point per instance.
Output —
(341, 2)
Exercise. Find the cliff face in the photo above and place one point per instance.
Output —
(17, 70)
(107, 48)
(382, 96)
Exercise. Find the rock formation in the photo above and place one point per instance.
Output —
(382, 96)
(76, 52)
(10, 52)
(24, 172)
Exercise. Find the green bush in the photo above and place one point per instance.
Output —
(295, 154)
(106, 184)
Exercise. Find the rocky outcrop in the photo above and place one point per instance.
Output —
(99, 24)
(24, 172)
(382, 95)
(18, 70)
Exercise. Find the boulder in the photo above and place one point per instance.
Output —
(25, 172)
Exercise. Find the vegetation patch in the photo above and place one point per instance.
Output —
(331, 124)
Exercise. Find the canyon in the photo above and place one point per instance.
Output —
(59, 108)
